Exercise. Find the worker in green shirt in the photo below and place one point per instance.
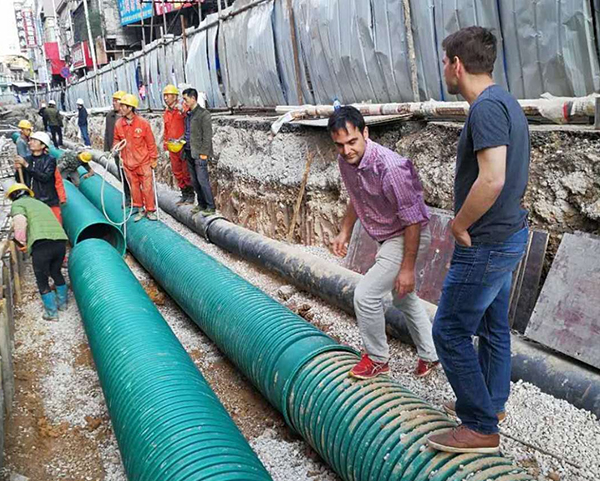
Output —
(70, 161)
(38, 232)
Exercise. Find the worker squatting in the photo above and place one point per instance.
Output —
(386, 195)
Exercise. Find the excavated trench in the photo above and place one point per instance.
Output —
(257, 178)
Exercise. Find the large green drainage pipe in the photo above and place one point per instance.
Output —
(555, 374)
(82, 221)
(374, 430)
(169, 424)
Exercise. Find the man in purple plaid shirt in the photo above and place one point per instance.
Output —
(386, 195)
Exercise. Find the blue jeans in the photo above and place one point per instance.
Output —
(475, 300)
(198, 170)
(84, 134)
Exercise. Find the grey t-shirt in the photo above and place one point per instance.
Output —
(495, 119)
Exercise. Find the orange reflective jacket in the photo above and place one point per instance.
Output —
(141, 146)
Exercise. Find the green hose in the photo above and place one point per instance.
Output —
(169, 424)
(374, 430)
(82, 221)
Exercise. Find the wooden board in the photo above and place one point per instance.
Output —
(527, 287)
(567, 314)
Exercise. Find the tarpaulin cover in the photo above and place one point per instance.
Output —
(354, 50)
(550, 47)
(357, 51)
(200, 68)
(253, 77)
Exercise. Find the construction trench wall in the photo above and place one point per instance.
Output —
(256, 179)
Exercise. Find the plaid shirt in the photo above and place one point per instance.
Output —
(385, 192)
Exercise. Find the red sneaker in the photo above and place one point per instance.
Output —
(425, 367)
(368, 369)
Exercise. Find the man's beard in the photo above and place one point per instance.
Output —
(453, 88)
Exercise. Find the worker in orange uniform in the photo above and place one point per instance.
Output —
(139, 156)
(174, 120)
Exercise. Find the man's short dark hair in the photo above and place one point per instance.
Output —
(475, 47)
(343, 116)
(191, 93)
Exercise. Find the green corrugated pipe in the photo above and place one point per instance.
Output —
(169, 424)
(374, 430)
(82, 221)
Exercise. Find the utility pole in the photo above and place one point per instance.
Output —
(92, 47)
(56, 28)
(164, 16)
(294, 40)
(72, 36)
(143, 29)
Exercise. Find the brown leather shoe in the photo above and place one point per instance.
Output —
(450, 408)
(461, 439)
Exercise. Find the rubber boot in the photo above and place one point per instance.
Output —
(62, 293)
(50, 308)
(183, 199)
(189, 195)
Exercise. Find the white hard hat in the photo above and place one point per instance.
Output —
(79, 101)
(51, 102)
(43, 137)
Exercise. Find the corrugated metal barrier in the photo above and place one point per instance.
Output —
(357, 51)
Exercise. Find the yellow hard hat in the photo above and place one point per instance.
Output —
(175, 145)
(170, 89)
(118, 95)
(85, 156)
(25, 124)
(16, 187)
(130, 99)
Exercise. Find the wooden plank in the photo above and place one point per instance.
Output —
(16, 273)
(8, 294)
(530, 285)
(567, 314)
(7, 368)
(309, 160)
(517, 282)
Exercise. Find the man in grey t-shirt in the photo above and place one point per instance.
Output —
(490, 229)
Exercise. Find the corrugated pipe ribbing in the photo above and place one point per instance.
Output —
(374, 430)
(169, 424)
(82, 221)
